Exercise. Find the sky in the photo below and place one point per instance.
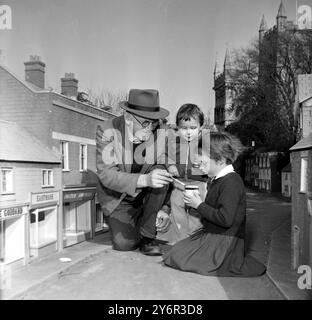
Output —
(116, 45)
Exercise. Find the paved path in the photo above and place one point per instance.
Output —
(265, 214)
(131, 275)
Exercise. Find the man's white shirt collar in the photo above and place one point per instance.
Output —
(226, 170)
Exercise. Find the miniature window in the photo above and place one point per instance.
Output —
(64, 152)
(47, 178)
(304, 175)
(83, 157)
(7, 180)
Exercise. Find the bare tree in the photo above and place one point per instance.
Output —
(108, 100)
(264, 79)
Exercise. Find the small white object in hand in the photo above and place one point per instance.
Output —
(65, 259)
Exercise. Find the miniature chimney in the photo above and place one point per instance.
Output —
(69, 85)
(34, 71)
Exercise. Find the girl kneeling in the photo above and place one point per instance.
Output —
(219, 248)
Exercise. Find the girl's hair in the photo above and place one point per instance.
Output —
(222, 146)
(188, 111)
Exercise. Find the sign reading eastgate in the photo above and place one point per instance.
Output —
(304, 17)
(38, 199)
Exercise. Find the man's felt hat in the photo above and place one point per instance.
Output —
(145, 104)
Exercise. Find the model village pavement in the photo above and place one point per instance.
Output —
(107, 274)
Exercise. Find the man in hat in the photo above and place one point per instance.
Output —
(133, 187)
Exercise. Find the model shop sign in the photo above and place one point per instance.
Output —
(6, 213)
(77, 196)
(38, 199)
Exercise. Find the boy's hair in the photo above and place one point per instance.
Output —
(188, 111)
(222, 146)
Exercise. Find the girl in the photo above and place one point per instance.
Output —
(219, 248)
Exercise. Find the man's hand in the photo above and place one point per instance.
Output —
(157, 178)
(162, 221)
(193, 200)
(174, 171)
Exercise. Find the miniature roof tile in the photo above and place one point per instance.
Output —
(16, 144)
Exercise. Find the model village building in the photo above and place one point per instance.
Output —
(31, 181)
(301, 164)
(58, 127)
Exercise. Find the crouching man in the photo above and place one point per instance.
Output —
(133, 187)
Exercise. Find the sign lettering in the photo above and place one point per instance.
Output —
(42, 198)
(78, 195)
(11, 212)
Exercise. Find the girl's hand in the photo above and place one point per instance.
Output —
(193, 200)
(173, 170)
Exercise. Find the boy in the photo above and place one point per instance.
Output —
(182, 149)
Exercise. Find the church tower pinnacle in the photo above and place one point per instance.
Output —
(263, 28)
(281, 17)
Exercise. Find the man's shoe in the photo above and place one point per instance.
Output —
(149, 247)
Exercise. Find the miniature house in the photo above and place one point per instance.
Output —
(263, 170)
(30, 183)
(301, 163)
(66, 218)
(286, 181)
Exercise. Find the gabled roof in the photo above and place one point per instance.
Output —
(25, 83)
(16, 144)
(306, 100)
(305, 143)
(36, 89)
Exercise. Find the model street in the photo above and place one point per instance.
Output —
(131, 275)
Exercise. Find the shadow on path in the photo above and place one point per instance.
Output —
(264, 215)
